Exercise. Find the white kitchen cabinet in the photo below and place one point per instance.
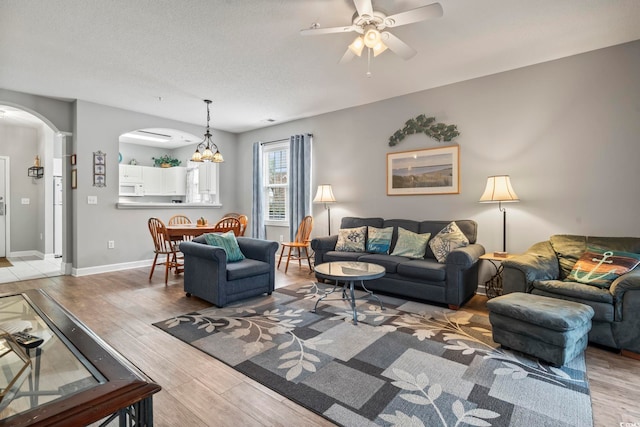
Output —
(130, 174)
(208, 178)
(164, 181)
(175, 181)
(152, 181)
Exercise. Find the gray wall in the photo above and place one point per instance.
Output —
(566, 131)
(98, 128)
(21, 145)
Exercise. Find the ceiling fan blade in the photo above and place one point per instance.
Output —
(397, 46)
(414, 15)
(318, 31)
(364, 7)
(348, 56)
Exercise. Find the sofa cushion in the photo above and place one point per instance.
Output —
(342, 256)
(246, 268)
(599, 299)
(389, 262)
(228, 242)
(379, 240)
(353, 222)
(351, 239)
(423, 269)
(574, 290)
(448, 239)
(411, 245)
(600, 267)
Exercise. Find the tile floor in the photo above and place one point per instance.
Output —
(30, 267)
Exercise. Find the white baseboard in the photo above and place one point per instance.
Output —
(87, 271)
(25, 254)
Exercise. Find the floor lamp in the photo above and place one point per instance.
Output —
(499, 190)
(325, 195)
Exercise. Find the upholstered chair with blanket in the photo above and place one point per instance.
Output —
(216, 274)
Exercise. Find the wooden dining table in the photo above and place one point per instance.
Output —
(177, 231)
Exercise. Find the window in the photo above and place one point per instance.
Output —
(276, 182)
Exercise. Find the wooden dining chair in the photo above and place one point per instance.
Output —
(244, 220)
(163, 245)
(228, 224)
(178, 220)
(300, 243)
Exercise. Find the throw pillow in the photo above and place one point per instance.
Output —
(379, 240)
(410, 244)
(228, 242)
(351, 239)
(600, 267)
(448, 239)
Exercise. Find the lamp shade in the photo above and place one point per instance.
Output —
(324, 194)
(499, 189)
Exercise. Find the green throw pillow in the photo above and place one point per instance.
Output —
(228, 242)
(351, 239)
(410, 244)
(448, 239)
(379, 240)
(600, 267)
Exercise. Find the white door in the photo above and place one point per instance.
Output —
(3, 209)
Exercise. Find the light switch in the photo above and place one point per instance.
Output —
(92, 200)
(25, 201)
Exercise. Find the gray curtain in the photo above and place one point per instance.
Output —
(257, 215)
(299, 181)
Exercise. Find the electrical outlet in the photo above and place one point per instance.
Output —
(281, 238)
(92, 200)
(25, 201)
(111, 244)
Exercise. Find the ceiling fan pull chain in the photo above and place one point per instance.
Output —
(368, 62)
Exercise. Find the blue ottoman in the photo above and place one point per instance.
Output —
(553, 330)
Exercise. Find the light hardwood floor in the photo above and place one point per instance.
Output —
(198, 390)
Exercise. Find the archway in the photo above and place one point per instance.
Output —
(35, 212)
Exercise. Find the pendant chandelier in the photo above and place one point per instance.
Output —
(207, 154)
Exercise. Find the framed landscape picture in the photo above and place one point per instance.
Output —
(428, 171)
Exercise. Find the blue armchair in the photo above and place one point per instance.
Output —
(207, 274)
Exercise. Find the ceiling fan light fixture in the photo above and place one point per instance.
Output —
(371, 36)
(357, 46)
(378, 49)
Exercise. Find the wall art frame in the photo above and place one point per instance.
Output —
(424, 172)
(74, 179)
(99, 169)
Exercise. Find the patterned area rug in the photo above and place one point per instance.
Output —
(411, 364)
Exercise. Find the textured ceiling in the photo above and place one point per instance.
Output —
(163, 57)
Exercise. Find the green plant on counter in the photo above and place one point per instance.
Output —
(165, 161)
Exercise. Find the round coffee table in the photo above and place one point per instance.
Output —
(349, 272)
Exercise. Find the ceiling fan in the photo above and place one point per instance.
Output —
(371, 24)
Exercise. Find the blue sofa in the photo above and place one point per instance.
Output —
(207, 274)
(452, 283)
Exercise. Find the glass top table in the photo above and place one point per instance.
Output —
(349, 272)
(74, 377)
